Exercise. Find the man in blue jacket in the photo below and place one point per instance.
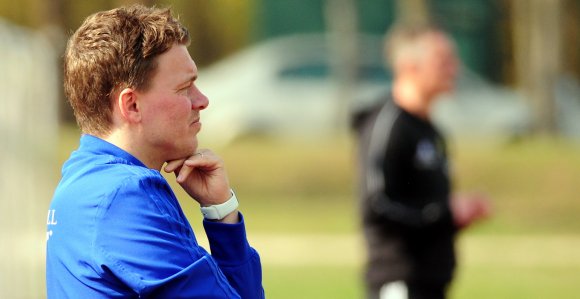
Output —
(115, 228)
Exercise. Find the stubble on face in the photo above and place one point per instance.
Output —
(171, 120)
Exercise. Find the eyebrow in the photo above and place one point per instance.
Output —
(189, 79)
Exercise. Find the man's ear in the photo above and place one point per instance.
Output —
(128, 106)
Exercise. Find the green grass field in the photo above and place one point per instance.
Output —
(299, 199)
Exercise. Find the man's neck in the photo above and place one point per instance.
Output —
(410, 98)
(127, 143)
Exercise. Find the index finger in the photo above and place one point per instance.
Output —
(173, 165)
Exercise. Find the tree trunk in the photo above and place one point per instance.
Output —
(341, 20)
(412, 11)
(537, 48)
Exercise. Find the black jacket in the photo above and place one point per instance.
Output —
(404, 197)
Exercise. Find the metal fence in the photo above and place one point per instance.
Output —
(29, 96)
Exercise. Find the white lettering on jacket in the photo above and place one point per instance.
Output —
(50, 221)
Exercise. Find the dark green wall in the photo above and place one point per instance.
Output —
(473, 24)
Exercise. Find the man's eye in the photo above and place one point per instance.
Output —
(185, 89)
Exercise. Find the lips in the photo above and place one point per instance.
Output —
(196, 124)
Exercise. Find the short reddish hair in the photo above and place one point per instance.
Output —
(112, 50)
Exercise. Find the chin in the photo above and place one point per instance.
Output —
(446, 88)
(193, 147)
(185, 150)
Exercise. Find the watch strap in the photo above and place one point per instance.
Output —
(218, 212)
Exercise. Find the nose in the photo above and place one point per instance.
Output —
(199, 101)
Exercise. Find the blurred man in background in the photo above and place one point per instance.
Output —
(409, 216)
(115, 227)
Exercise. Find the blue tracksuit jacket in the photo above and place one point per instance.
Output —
(115, 230)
